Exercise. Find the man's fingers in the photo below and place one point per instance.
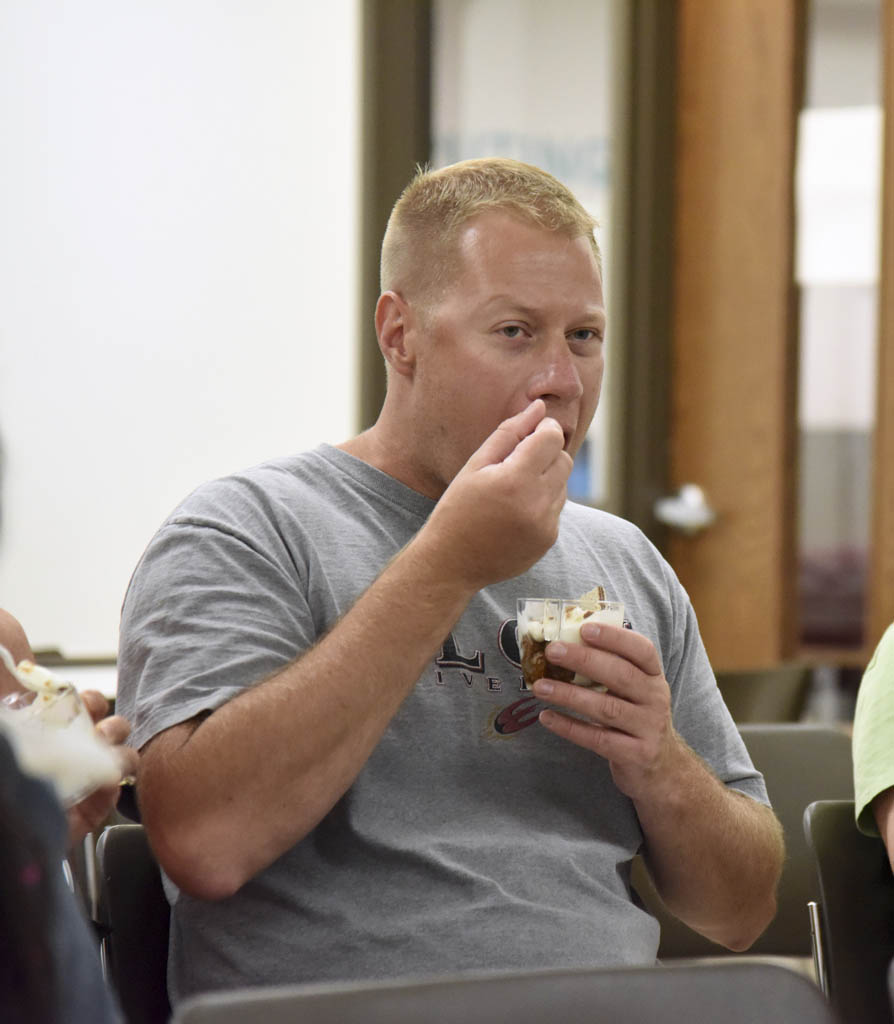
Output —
(557, 468)
(505, 439)
(605, 741)
(627, 644)
(95, 703)
(114, 730)
(540, 450)
(607, 646)
(620, 673)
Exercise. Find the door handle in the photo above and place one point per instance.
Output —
(687, 511)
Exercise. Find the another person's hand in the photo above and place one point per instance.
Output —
(501, 512)
(629, 724)
(13, 638)
(92, 811)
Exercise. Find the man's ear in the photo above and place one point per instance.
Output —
(394, 323)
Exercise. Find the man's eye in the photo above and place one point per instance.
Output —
(512, 331)
(585, 334)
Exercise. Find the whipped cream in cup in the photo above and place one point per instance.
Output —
(540, 620)
(53, 734)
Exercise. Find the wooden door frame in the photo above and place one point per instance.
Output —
(395, 136)
(881, 560)
(640, 317)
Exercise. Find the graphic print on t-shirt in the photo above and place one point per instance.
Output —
(470, 667)
(453, 664)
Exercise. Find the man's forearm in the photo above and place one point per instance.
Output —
(715, 855)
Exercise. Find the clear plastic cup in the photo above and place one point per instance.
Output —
(59, 708)
(540, 620)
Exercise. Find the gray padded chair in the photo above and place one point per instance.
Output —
(731, 993)
(133, 917)
(855, 921)
(800, 763)
(771, 695)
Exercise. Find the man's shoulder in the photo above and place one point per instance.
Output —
(266, 483)
(587, 518)
(617, 543)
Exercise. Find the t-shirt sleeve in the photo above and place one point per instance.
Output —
(700, 715)
(873, 744)
(210, 611)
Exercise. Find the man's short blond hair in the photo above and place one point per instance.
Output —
(419, 256)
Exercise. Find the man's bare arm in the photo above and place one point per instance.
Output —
(715, 855)
(224, 796)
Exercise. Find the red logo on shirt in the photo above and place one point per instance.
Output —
(517, 716)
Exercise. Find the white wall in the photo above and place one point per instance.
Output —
(837, 259)
(178, 199)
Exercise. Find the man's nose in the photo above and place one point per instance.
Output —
(558, 378)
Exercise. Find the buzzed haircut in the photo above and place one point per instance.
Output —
(419, 254)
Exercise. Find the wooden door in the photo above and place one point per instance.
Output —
(734, 331)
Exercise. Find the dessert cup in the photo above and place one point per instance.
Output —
(53, 733)
(540, 620)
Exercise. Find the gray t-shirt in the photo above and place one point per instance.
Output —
(473, 838)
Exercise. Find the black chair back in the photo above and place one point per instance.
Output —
(134, 920)
(856, 911)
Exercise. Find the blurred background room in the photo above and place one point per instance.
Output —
(193, 195)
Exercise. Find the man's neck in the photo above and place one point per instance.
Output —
(374, 446)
